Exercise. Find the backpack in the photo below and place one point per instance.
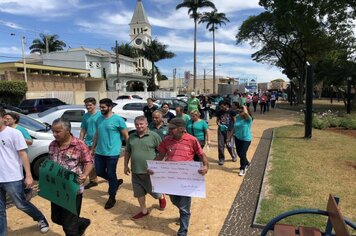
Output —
(255, 98)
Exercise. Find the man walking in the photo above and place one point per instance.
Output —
(87, 132)
(111, 128)
(140, 147)
(181, 146)
(149, 109)
(13, 159)
(225, 119)
(71, 153)
(158, 124)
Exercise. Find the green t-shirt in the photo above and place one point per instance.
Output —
(89, 124)
(197, 129)
(193, 104)
(185, 117)
(142, 149)
(109, 135)
(162, 131)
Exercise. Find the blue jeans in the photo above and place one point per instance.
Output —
(183, 203)
(105, 167)
(16, 191)
(241, 149)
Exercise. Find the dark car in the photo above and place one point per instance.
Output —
(10, 107)
(39, 104)
(173, 103)
(128, 97)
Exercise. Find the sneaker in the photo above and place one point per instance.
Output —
(83, 225)
(162, 202)
(110, 203)
(242, 172)
(90, 185)
(43, 225)
(247, 166)
(221, 162)
(140, 215)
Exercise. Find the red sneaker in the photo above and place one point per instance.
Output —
(162, 202)
(139, 215)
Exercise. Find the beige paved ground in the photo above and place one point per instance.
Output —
(207, 214)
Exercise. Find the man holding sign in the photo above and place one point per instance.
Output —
(71, 153)
(181, 146)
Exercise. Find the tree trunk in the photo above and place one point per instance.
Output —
(214, 80)
(195, 56)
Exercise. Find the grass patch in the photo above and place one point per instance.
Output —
(302, 173)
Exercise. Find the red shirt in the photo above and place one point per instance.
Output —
(180, 150)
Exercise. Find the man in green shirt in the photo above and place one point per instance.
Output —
(180, 114)
(158, 125)
(193, 103)
(140, 147)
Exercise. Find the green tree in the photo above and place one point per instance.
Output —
(291, 33)
(45, 41)
(154, 52)
(193, 7)
(126, 50)
(213, 19)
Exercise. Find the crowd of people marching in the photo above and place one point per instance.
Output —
(160, 135)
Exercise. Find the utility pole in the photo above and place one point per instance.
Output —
(174, 80)
(24, 57)
(204, 80)
(47, 47)
(117, 65)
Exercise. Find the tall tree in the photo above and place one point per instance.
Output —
(126, 50)
(154, 52)
(291, 33)
(193, 7)
(213, 19)
(47, 42)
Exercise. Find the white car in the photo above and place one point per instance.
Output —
(131, 108)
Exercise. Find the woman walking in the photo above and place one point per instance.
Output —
(198, 128)
(243, 136)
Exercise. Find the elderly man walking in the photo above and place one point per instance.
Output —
(140, 147)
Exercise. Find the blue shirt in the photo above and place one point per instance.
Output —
(109, 141)
(243, 129)
(89, 124)
(24, 132)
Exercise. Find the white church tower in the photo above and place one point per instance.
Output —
(140, 31)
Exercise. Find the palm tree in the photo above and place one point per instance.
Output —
(213, 20)
(154, 52)
(193, 6)
(47, 43)
(126, 50)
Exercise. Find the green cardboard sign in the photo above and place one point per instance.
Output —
(59, 185)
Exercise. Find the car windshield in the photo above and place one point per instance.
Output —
(28, 102)
(32, 124)
(46, 112)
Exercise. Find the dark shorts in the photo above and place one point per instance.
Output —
(141, 185)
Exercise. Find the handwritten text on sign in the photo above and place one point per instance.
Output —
(177, 178)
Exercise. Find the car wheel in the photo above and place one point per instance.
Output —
(36, 166)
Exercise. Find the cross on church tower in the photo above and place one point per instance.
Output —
(140, 31)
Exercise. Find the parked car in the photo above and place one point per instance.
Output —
(10, 107)
(128, 97)
(39, 104)
(131, 108)
(173, 103)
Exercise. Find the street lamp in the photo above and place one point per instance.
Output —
(23, 55)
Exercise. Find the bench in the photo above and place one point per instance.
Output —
(335, 221)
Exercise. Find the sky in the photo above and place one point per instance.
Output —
(97, 24)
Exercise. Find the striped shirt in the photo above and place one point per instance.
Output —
(180, 150)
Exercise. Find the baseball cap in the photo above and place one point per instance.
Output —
(175, 123)
(192, 94)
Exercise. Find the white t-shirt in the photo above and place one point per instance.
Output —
(11, 141)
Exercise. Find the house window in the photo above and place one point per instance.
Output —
(143, 62)
(134, 31)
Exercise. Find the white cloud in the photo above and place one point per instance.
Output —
(11, 24)
(11, 50)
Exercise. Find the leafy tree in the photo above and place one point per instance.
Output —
(292, 33)
(193, 7)
(213, 19)
(154, 52)
(46, 40)
(126, 50)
